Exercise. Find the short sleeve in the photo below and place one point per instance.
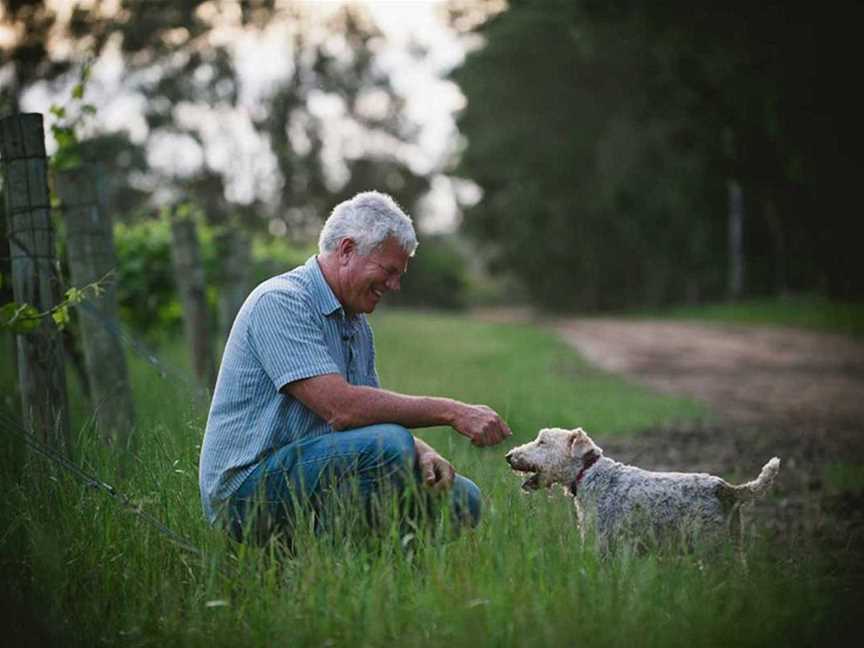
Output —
(288, 337)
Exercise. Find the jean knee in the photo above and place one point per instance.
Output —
(467, 500)
(396, 444)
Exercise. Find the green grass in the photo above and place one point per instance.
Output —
(78, 570)
(843, 478)
(532, 378)
(807, 312)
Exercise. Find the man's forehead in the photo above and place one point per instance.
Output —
(392, 251)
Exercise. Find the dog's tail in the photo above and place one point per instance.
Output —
(759, 486)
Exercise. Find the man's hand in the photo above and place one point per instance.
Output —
(436, 471)
(482, 425)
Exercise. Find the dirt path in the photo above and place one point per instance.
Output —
(770, 391)
(747, 375)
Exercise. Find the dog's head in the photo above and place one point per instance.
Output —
(555, 457)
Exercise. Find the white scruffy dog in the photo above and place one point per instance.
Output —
(621, 502)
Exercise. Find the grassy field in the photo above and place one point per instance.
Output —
(79, 570)
(813, 313)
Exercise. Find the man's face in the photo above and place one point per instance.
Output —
(367, 278)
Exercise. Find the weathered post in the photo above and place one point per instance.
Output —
(234, 249)
(6, 293)
(736, 240)
(735, 221)
(90, 248)
(35, 277)
(189, 275)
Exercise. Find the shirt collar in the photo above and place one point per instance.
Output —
(323, 294)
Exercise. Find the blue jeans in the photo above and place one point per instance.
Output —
(365, 465)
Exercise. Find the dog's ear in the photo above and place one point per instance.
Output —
(577, 443)
(581, 445)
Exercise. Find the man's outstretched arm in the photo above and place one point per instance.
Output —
(346, 406)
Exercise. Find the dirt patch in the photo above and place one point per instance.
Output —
(745, 374)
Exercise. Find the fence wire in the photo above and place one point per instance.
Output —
(9, 422)
(119, 332)
(165, 371)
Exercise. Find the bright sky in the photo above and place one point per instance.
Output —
(231, 143)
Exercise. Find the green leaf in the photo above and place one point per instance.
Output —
(184, 211)
(61, 316)
(95, 289)
(58, 111)
(75, 295)
(64, 160)
(65, 138)
(19, 318)
(78, 91)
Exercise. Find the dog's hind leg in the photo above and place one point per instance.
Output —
(736, 534)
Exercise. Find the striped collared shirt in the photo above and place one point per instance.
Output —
(289, 328)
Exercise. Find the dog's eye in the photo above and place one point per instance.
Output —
(540, 441)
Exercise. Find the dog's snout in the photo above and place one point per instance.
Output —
(509, 457)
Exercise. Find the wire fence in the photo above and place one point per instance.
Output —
(117, 330)
(11, 423)
(142, 350)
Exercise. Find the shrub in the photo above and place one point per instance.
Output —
(437, 276)
(146, 290)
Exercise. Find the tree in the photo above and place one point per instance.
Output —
(302, 140)
(617, 127)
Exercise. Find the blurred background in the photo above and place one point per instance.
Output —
(568, 158)
(571, 155)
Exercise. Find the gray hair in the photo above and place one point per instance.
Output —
(368, 219)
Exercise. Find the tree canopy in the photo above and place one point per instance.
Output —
(181, 62)
(605, 135)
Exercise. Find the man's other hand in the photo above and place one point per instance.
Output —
(436, 471)
(482, 425)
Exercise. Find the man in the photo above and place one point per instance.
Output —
(298, 413)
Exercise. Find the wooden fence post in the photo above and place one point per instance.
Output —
(189, 275)
(90, 248)
(35, 278)
(234, 249)
(735, 282)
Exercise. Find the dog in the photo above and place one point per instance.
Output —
(622, 503)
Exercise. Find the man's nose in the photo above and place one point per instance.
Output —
(394, 283)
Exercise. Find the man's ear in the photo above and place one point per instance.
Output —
(346, 249)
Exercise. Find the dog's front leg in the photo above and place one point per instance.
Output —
(579, 514)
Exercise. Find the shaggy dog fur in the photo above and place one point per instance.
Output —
(624, 503)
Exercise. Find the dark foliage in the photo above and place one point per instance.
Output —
(605, 149)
